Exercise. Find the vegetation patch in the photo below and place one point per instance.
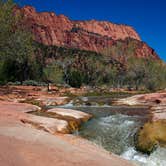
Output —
(24, 61)
(150, 136)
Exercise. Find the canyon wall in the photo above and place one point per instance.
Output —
(50, 29)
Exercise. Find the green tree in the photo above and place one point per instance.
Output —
(16, 45)
(75, 78)
(146, 73)
(135, 72)
(53, 74)
(155, 75)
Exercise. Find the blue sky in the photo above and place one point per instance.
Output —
(148, 17)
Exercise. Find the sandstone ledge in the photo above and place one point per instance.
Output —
(21, 107)
(38, 95)
(73, 117)
(155, 101)
(66, 121)
(50, 125)
(78, 115)
(144, 99)
(24, 145)
(27, 146)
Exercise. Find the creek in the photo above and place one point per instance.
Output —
(114, 127)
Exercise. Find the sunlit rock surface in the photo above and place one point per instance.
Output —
(58, 30)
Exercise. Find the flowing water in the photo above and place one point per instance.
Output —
(113, 128)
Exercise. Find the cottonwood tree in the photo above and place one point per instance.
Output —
(16, 45)
(53, 74)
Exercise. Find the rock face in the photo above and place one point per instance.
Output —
(51, 29)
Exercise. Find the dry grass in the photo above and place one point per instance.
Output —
(151, 135)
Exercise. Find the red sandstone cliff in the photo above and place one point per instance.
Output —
(51, 29)
(59, 30)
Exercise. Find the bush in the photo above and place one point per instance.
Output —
(30, 83)
(75, 78)
(14, 83)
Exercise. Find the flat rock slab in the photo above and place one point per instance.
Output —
(78, 115)
(23, 146)
(21, 107)
(26, 146)
(159, 112)
(50, 125)
(157, 102)
(144, 99)
(18, 111)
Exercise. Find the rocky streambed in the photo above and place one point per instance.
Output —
(27, 139)
(107, 121)
(115, 127)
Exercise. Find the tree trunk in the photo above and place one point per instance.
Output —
(49, 87)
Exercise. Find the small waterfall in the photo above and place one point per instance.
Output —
(116, 134)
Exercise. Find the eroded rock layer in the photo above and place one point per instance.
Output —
(50, 29)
